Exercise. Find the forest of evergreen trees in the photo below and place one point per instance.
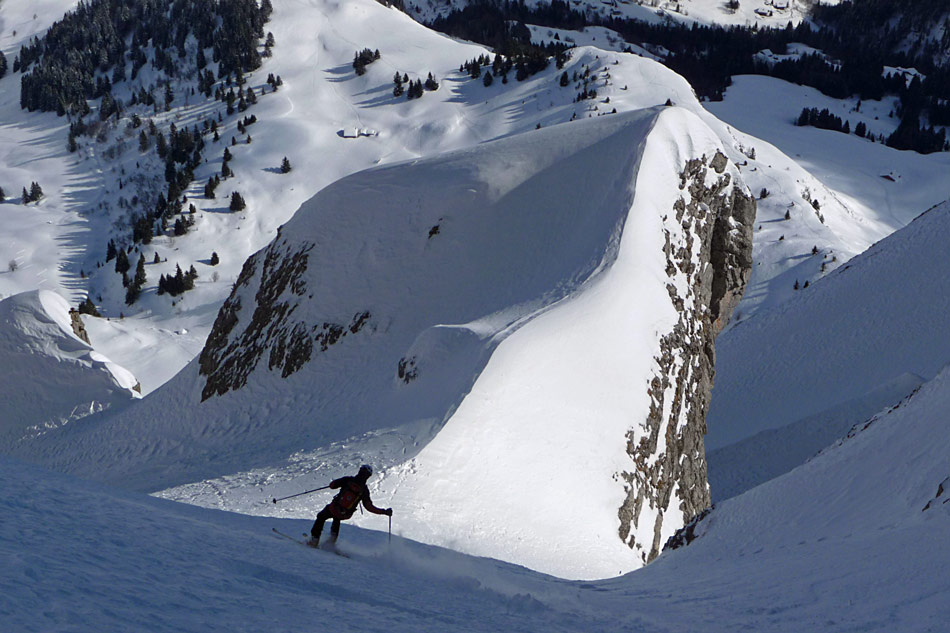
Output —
(60, 69)
(858, 38)
(203, 44)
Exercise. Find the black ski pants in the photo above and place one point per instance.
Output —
(322, 517)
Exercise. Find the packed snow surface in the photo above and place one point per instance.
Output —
(853, 540)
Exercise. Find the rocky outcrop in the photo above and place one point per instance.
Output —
(562, 315)
(79, 328)
(232, 353)
(708, 252)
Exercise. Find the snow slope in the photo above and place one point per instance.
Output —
(848, 346)
(884, 186)
(50, 376)
(883, 315)
(322, 97)
(853, 540)
(541, 254)
(738, 467)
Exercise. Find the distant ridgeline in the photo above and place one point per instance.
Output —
(70, 64)
(856, 39)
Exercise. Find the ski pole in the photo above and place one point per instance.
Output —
(390, 529)
(301, 493)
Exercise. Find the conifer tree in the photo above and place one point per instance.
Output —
(190, 277)
(179, 280)
(139, 279)
(285, 166)
(88, 307)
(214, 259)
(237, 202)
(121, 262)
(3, 196)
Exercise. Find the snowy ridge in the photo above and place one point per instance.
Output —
(380, 303)
(539, 432)
(50, 376)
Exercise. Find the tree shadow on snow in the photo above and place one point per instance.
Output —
(341, 73)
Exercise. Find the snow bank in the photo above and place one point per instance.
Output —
(50, 376)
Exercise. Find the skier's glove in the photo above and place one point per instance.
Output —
(389, 511)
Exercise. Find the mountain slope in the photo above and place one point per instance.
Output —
(59, 243)
(759, 13)
(883, 315)
(851, 541)
(599, 259)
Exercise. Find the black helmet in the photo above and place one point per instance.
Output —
(365, 471)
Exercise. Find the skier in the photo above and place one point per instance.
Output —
(353, 490)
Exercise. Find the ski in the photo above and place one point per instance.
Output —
(307, 545)
(289, 537)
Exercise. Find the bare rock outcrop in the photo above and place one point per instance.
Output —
(709, 254)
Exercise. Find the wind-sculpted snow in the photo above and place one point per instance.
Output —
(549, 289)
(49, 375)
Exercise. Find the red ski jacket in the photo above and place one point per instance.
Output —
(352, 492)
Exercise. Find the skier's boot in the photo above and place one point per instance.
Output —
(314, 542)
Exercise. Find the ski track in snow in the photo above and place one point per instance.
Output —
(842, 543)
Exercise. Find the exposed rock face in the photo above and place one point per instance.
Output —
(228, 360)
(79, 328)
(706, 282)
